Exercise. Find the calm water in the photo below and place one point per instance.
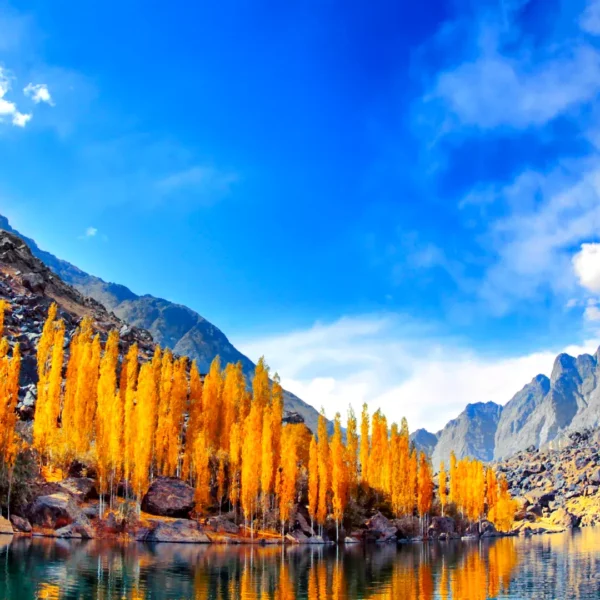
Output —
(561, 566)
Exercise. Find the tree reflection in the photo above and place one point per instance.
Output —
(545, 567)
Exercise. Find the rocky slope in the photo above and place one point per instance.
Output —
(172, 325)
(30, 287)
(556, 488)
(472, 433)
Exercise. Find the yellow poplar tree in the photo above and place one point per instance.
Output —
(212, 404)
(251, 463)
(365, 449)
(425, 486)
(313, 480)
(107, 394)
(352, 452)
(443, 486)
(289, 475)
(50, 365)
(324, 470)
(145, 422)
(130, 421)
(339, 484)
(267, 462)
(194, 424)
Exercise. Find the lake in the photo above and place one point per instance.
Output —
(552, 566)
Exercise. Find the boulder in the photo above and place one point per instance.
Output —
(563, 518)
(439, 526)
(19, 524)
(381, 528)
(77, 530)
(81, 488)
(351, 540)
(297, 537)
(5, 527)
(181, 531)
(222, 525)
(54, 511)
(541, 497)
(169, 497)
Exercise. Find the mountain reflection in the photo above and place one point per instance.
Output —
(564, 566)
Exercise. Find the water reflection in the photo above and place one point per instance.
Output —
(563, 566)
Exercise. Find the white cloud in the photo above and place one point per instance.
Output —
(8, 109)
(592, 312)
(495, 90)
(404, 369)
(504, 78)
(532, 246)
(38, 93)
(90, 232)
(587, 266)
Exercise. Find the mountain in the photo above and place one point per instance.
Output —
(424, 441)
(546, 410)
(172, 325)
(472, 433)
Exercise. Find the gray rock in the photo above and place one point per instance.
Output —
(180, 531)
(169, 497)
(55, 511)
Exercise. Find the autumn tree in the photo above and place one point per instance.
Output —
(339, 477)
(352, 453)
(289, 475)
(131, 369)
(425, 487)
(50, 366)
(443, 487)
(365, 449)
(108, 401)
(323, 470)
(313, 480)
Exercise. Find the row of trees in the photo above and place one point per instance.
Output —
(136, 418)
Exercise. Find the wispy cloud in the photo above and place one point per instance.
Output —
(406, 369)
(38, 93)
(205, 182)
(90, 232)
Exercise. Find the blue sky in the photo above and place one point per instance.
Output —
(387, 200)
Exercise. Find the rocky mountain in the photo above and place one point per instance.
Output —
(172, 325)
(546, 410)
(424, 441)
(541, 415)
(472, 433)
